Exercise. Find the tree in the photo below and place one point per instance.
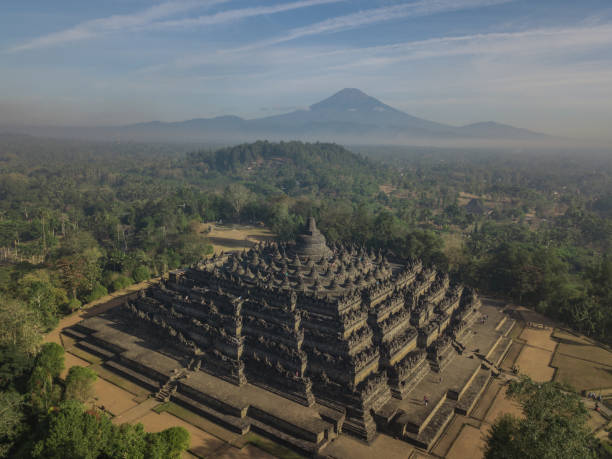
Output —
(78, 263)
(72, 432)
(49, 364)
(19, 326)
(169, 443)
(20, 336)
(42, 296)
(79, 383)
(127, 440)
(554, 425)
(237, 196)
(11, 420)
(51, 359)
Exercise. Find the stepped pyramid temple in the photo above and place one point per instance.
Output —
(307, 341)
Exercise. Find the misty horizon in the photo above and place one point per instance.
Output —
(544, 67)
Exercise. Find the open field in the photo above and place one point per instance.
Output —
(573, 338)
(539, 338)
(581, 362)
(235, 237)
(534, 361)
(502, 405)
(595, 354)
(470, 443)
(582, 374)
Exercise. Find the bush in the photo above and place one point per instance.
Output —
(141, 273)
(71, 306)
(98, 291)
(121, 282)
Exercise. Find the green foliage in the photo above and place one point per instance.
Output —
(169, 443)
(19, 327)
(127, 440)
(44, 392)
(43, 296)
(71, 431)
(79, 383)
(51, 359)
(72, 305)
(12, 420)
(98, 291)
(141, 273)
(541, 227)
(121, 282)
(554, 425)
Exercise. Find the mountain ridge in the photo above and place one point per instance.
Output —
(347, 116)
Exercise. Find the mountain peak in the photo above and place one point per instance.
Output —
(350, 99)
(350, 92)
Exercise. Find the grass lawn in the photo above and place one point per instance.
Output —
(581, 374)
(581, 362)
(235, 237)
(595, 354)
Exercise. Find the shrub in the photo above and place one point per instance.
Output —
(121, 282)
(98, 291)
(141, 273)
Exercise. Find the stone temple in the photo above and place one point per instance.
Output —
(304, 342)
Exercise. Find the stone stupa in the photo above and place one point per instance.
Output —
(311, 242)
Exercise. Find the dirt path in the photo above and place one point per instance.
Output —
(94, 308)
(136, 412)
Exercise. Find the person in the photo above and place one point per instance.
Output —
(425, 400)
(596, 406)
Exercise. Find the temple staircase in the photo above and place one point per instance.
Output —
(169, 388)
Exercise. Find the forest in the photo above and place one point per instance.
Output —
(81, 219)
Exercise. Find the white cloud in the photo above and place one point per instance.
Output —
(373, 16)
(96, 27)
(238, 14)
(537, 43)
(151, 18)
(350, 21)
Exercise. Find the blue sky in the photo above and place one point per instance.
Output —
(540, 64)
